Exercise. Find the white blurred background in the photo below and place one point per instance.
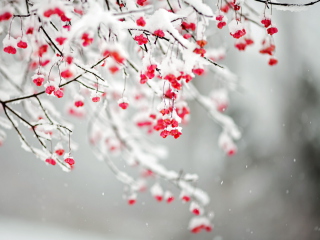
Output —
(269, 190)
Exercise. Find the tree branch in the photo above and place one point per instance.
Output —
(289, 4)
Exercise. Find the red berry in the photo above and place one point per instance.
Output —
(67, 73)
(272, 30)
(50, 89)
(67, 27)
(22, 44)
(86, 39)
(79, 11)
(272, 61)
(141, 2)
(185, 198)
(208, 228)
(79, 103)
(232, 151)
(141, 22)
(200, 51)
(164, 133)
(196, 229)
(192, 26)
(196, 211)
(10, 50)
(241, 46)
(42, 49)
(268, 50)
(29, 30)
(236, 7)
(5, 16)
(141, 39)
(59, 152)
(220, 25)
(143, 78)
(61, 40)
(64, 18)
(124, 105)
(238, 34)
(159, 33)
(219, 18)
(170, 199)
(153, 116)
(225, 8)
(202, 43)
(198, 71)
(58, 11)
(158, 198)
(113, 69)
(58, 93)
(221, 107)
(131, 201)
(69, 59)
(70, 161)
(249, 41)
(116, 56)
(266, 22)
(48, 13)
(44, 63)
(51, 161)
(96, 99)
(187, 36)
(38, 81)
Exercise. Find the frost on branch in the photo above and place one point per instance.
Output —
(130, 69)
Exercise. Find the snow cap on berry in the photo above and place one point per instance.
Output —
(132, 199)
(123, 103)
(58, 149)
(157, 192)
(197, 224)
(9, 45)
(226, 144)
(236, 29)
(220, 99)
(38, 79)
(168, 196)
(195, 208)
(185, 196)
(6, 12)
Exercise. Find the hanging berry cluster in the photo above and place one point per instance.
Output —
(128, 66)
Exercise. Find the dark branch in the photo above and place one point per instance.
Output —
(49, 38)
(107, 2)
(27, 5)
(61, 85)
(289, 4)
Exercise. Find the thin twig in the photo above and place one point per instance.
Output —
(288, 4)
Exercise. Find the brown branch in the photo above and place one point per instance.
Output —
(177, 40)
(107, 3)
(27, 5)
(289, 4)
(50, 120)
(242, 15)
(133, 11)
(17, 129)
(200, 13)
(61, 85)
(49, 38)
(29, 124)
